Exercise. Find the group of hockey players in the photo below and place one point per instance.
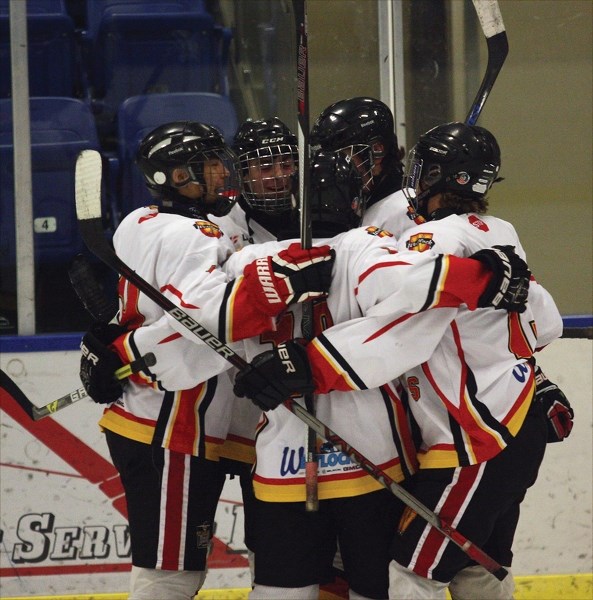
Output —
(425, 322)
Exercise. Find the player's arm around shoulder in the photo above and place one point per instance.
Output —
(236, 262)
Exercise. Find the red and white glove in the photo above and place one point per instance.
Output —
(559, 413)
(292, 275)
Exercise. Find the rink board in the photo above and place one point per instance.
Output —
(63, 535)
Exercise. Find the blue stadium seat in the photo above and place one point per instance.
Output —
(60, 129)
(97, 9)
(53, 67)
(143, 48)
(139, 115)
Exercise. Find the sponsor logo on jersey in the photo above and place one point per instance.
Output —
(208, 228)
(477, 223)
(420, 242)
(293, 461)
(377, 232)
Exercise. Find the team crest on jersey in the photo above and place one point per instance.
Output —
(420, 242)
(478, 223)
(208, 228)
(377, 232)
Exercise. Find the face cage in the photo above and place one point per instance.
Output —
(362, 155)
(268, 177)
(226, 192)
(411, 177)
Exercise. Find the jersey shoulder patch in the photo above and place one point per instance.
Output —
(378, 232)
(420, 242)
(208, 228)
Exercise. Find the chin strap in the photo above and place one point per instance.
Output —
(176, 207)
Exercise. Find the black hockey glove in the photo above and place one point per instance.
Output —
(557, 407)
(274, 376)
(98, 363)
(509, 287)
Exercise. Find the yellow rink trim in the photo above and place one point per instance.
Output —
(578, 586)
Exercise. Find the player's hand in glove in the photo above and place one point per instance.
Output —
(98, 363)
(558, 410)
(292, 275)
(509, 287)
(274, 376)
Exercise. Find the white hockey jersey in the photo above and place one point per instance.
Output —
(473, 386)
(367, 272)
(179, 256)
(478, 373)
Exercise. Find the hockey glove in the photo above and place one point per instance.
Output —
(292, 275)
(509, 287)
(98, 363)
(274, 376)
(557, 407)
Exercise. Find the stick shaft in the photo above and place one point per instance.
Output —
(498, 47)
(39, 412)
(307, 329)
(473, 551)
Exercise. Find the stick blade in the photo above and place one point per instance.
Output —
(88, 185)
(10, 390)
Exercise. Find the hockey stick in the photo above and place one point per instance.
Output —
(88, 210)
(39, 412)
(498, 48)
(300, 16)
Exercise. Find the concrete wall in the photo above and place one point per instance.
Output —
(62, 531)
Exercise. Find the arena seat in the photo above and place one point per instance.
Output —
(138, 115)
(96, 9)
(53, 66)
(60, 129)
(144, 48)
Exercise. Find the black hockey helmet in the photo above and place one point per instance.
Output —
(268, 159)
(336, 197)
(357, 124)
(188, 145)
(454, 157)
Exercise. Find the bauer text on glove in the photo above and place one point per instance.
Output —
(275, 375)
(98, 363)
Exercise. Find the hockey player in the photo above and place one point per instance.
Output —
(164, 435)
(294, 549)
(266, 210)
(483, 435)
(363, 128)
(449, 168)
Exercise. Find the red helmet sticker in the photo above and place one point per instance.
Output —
(462, 178)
